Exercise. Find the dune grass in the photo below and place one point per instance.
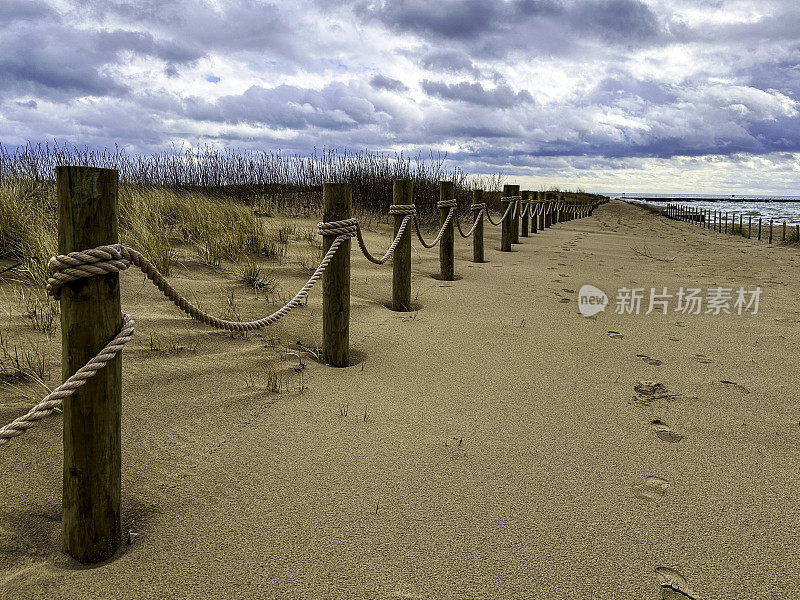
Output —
(153, 220)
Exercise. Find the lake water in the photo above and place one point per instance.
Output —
(778, 208)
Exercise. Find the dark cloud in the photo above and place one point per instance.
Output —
(454, 61)
(474, 93)
(381, 82)
(451, 19)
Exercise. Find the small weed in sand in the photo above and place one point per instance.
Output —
(344, 409)
(366, 415)
(309, 261)
(250, 273)
(17, 362)
(42, 312)
(286, 232)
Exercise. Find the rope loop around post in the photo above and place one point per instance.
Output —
(348, 227)
(478, 206)
(452, 203)
(85, 263)
(402, 209)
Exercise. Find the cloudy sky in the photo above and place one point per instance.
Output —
(608, 95)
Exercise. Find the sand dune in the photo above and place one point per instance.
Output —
(493, 446)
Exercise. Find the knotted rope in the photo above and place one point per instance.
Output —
(348, 227)
(402, 209)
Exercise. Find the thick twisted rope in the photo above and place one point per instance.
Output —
(115, 259)
(505, 214)
(392, 247)
(452, 203)
(402, 209)
(441, 231)
(474, 225)
(56, 397)
(65, 269)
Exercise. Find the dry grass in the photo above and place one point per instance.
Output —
(152, 220)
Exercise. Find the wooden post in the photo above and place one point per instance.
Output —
(446, 245)
(402, 193)
(759, 229)
(741, 222)
(783, 236)
(534, 208)
(525, 203)
(90, 317)
(477, 236)
(505, 229)
(749, 226)
(770, 231)
(726, 222)
(797, 234)
(513, 190)
(337, 199)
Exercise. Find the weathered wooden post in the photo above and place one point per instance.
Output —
(446, 245)
(797, 233)
(546, 210)
(337, 201)
(770, 231)
(726, 223)
(749, 226)
(513, 190)
(477, 236)
(525, 204)
(759, 229)
(533, 207)
(741, 222)
(90, 317)
(507, 224)
(402, 193)
(783, 236)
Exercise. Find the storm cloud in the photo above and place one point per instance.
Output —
(535, 88)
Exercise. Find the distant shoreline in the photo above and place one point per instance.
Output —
(703, 199)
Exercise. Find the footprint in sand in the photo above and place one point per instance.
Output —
(664, 433)
(652, 490)
(564, 300)
(650, 361)
(648, 392)
(615, 335)
(703, 359)
(674, 585)
(568, 291)
(737, 386)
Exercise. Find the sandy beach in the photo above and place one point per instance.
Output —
(491, 444)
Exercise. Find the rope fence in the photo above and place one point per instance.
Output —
(717, 220)
(72, 268)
